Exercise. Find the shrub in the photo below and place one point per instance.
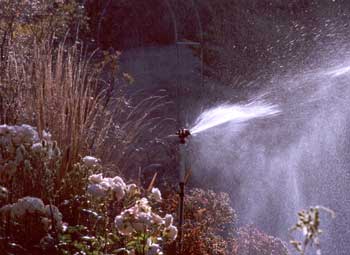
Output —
(209, 222)
(24, 22)
(119, 218)
(102, 214)
(27, 224)
(28, 166)
(252, 241)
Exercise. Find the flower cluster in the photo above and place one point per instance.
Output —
(31, 168)
(100, 186)
(32, 206)
(15, 135)
(90, 161)
(32, 222)
(14, 140)
(27, 162)
(156, 195)
(139, 220)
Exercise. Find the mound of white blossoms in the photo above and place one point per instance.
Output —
(34, 206)
(140, 218)
(99, 186)
(137, 220)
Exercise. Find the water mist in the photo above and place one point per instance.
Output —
(280, 157)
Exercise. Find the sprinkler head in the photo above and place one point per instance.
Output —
(183, 133)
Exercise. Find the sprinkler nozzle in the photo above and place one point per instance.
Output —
(183, 133)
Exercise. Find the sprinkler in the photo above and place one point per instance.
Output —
(183, 133)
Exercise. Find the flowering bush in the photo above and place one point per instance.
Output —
(210, 228)
(209, 222)
(28, 166)
(252, 241)
(146, 230)
(123, 217)
(86, 210)
(99, 186)
(103, 213)
(27, 223)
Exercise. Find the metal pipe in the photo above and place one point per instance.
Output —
(181, 215)
(182, 135)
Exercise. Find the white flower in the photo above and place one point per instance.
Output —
(64, 226)
(96, 190)
(6, 209)
(142, 205)
(37, 147)
(142, 221)
(124, 227)
(118, 180)
(3, 192)
(28, 205)
(20, 134)
(27, 133)
(106, 184)
(144, 218)
(90, 161)
(132, 211)
(95, 178)
(156, 194)
(119, 191)
(157, 219)
(101, 185)
(5, 129)
(108, 181)
(154, 249)
(57, 215)
(47, 135)
(170, 233)
(168, 220)
(131, 189)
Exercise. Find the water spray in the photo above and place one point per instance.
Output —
(236, 114)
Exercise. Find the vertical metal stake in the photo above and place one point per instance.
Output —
(181, 218)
